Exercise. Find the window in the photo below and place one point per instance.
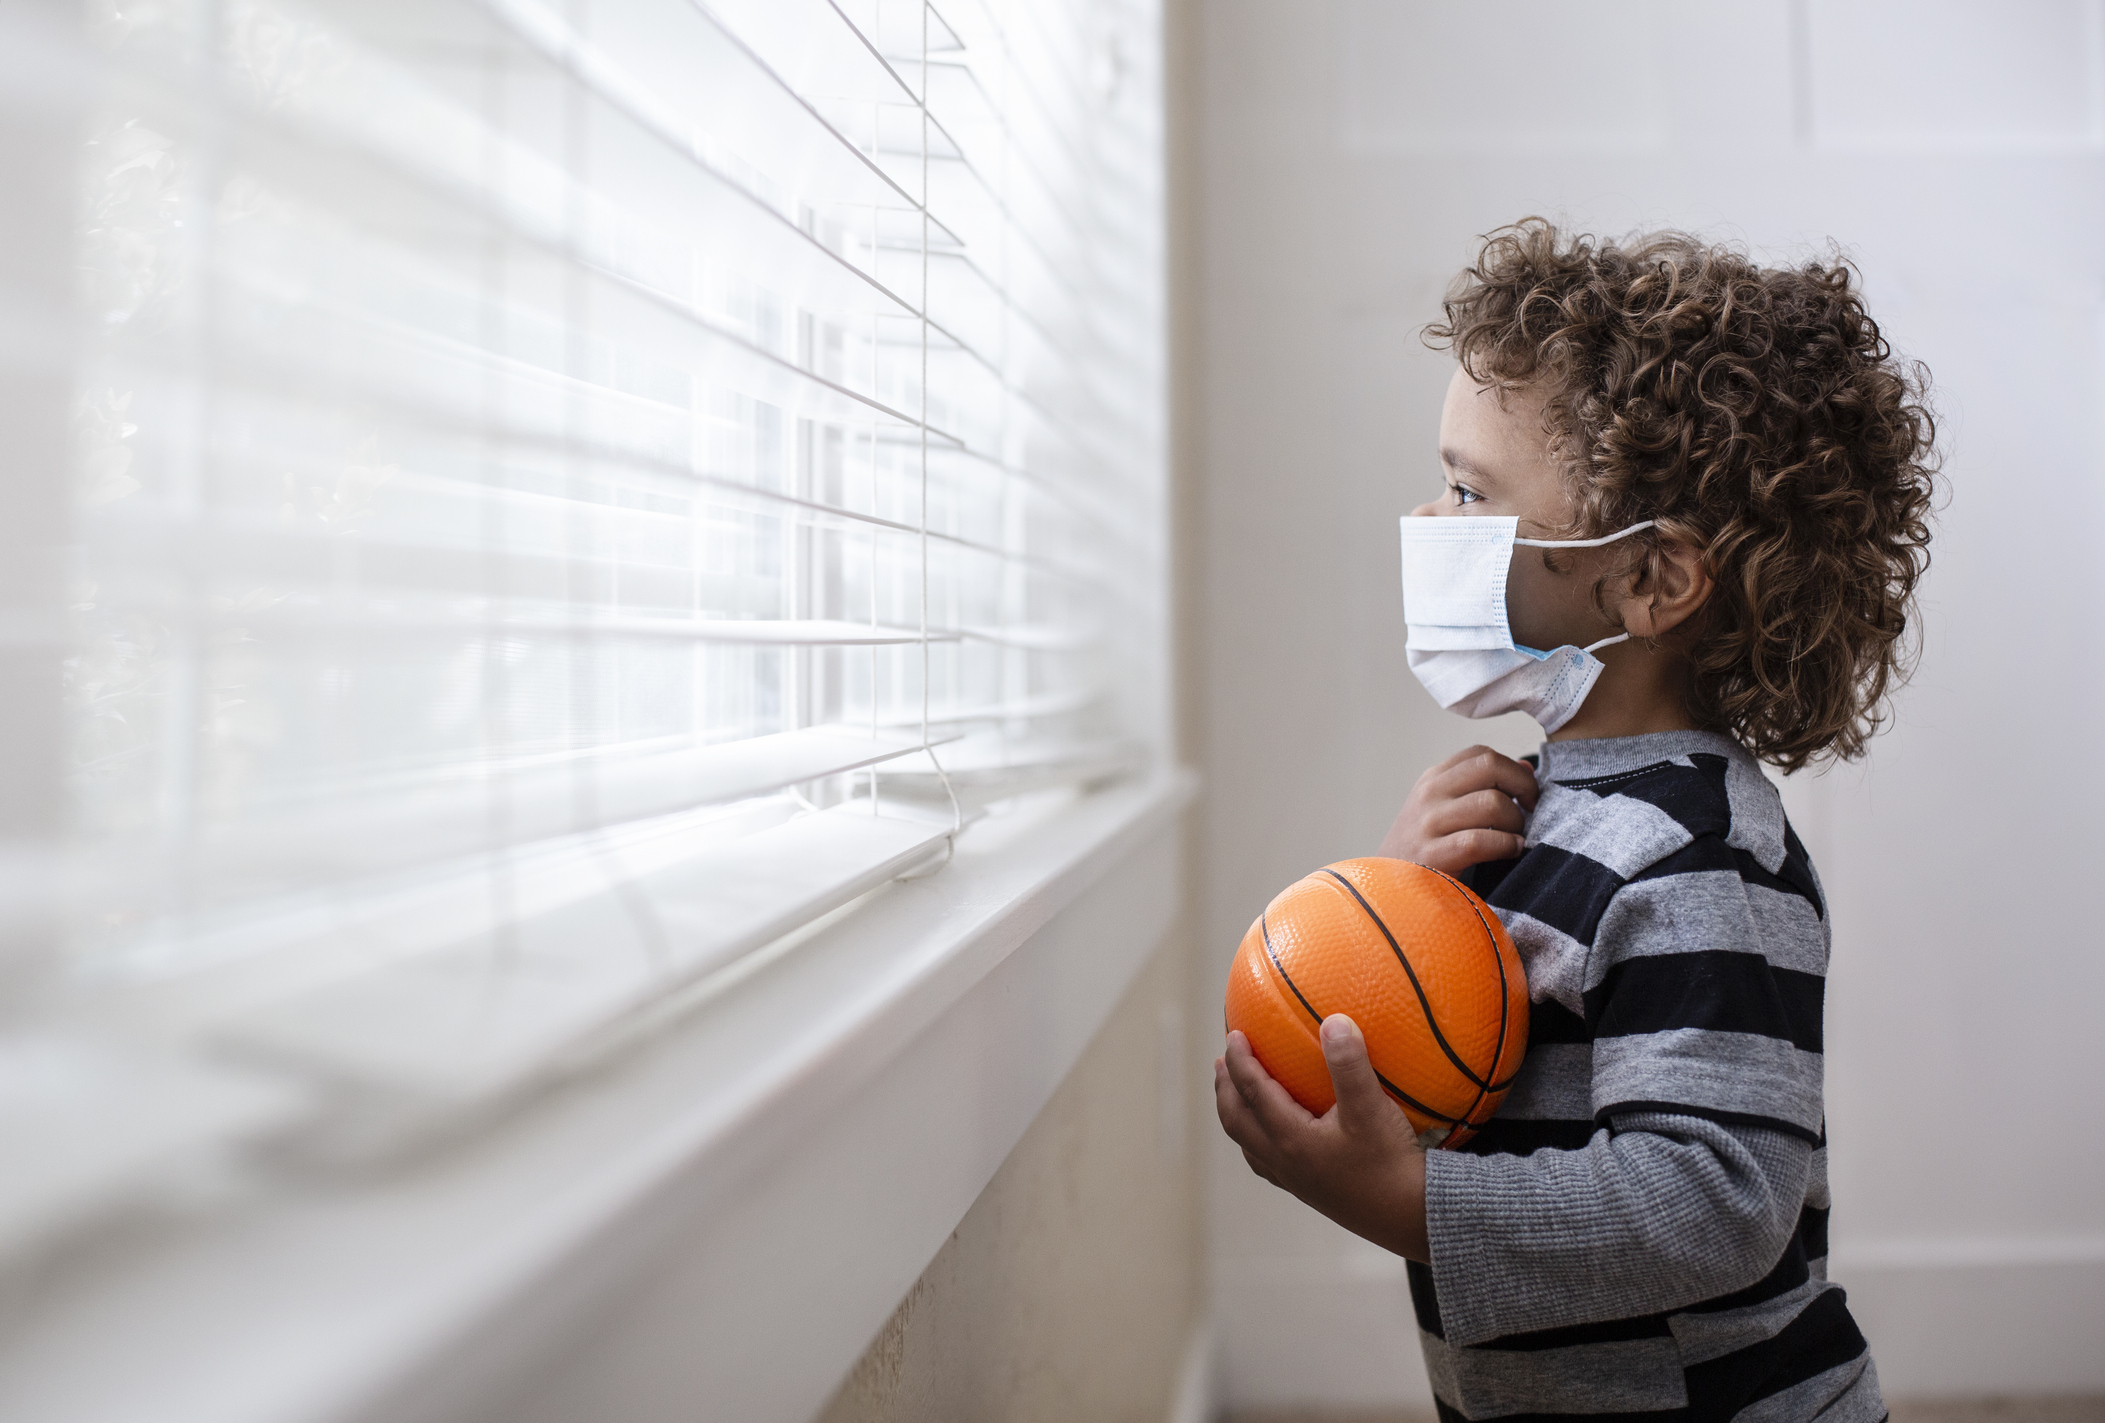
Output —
(561, 494)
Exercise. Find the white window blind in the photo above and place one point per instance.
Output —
(555, 495)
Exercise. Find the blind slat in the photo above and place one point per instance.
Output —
(157, 539)
(452, 1027)
(371, 832)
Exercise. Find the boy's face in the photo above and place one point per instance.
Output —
(1495, 460)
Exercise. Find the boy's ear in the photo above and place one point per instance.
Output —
(1679, 584)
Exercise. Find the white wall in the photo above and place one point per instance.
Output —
(1351, 150)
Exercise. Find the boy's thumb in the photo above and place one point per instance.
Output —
(1351, 1074)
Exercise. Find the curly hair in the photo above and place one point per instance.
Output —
(1755, 414)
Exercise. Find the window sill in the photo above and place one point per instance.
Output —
(727, 1212)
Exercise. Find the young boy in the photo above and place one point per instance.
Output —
(1703, 485)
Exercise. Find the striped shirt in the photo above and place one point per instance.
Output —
(1643, 1227)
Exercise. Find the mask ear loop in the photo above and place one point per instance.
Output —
(1591, 543)
(1585, 543)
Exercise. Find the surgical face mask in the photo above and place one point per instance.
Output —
(1461, 645)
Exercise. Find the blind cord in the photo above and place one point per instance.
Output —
(957, 814)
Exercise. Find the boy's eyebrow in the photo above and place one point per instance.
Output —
(1462, 464)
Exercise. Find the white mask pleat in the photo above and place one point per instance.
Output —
(1460, 645)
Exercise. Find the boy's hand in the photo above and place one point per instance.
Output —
(1359, 1163)
(1470, 808)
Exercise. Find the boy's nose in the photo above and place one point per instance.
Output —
(1426, 510)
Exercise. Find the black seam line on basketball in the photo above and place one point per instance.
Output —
(1498, 1053)
(1410, 973)
(1264, 927)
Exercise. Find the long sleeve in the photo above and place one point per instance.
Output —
(1655, 1213)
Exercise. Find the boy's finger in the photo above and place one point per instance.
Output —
(1479, 810)
(1243, 1128)
(1227, 1095)
(1451, 854)
(1234, 1113)
(1277, 1113)
(1456, 759)
(1236, 1118)
(1361, 1101)
(1224, 1090)
(1487, 770)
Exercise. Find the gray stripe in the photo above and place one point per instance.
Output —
(1630, 1374)
(1555, 962)
(1699, 909)
(1757, 812)
(1813, 870)
(1576, 760)
(1816, 1193)
(1555, 1084)
(1791, 931)
(1720, 1072)
(1709, 909)
(1704, 1337)
(1846, 1393)
(1622, 833)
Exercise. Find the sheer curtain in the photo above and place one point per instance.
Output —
(558, 494)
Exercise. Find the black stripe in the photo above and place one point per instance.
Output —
(1751, 872)
(1714, 989)
(1822, 1337)
(1616, 779)
(1424, 1003)
(1606, 1115)
(1812, 1231)
(1484, 878)
(1524, 1136)
(1709, 854)
(1566, 891)
(1448, 1413)
(1425, 1299)
(1602, 1331)
(1265, 928)
(1797, 869)
(1551, 1022)
(1807, 1245)
(1789, 1272)
(1693, 795)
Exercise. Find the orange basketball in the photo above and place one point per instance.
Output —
(1420, 963)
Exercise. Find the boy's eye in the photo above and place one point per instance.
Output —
(1464, 495)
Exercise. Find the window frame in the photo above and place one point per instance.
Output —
(729, 1214)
